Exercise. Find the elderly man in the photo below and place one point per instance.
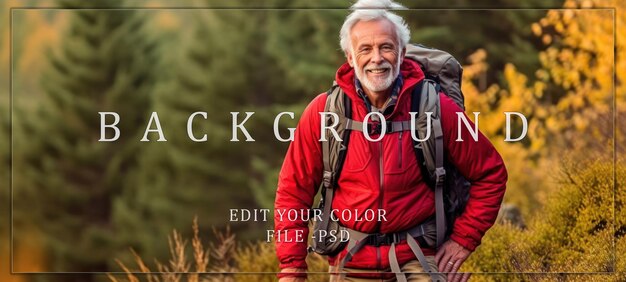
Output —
(384, 175)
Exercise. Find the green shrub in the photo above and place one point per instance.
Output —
(576, 232)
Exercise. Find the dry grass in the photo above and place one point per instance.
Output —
(179, 268)
(223, 261)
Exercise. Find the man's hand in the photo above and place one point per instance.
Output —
(292, 279)
(449, 258)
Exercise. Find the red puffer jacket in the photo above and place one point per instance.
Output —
(384, 175)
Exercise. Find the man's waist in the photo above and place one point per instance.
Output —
(389, 223)
(423, 232)
(367, 258)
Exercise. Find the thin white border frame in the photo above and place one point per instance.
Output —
(614, 129)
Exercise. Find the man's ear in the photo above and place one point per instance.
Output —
(349, 58)
(402, 54)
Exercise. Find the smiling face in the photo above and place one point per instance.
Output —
(375, 54)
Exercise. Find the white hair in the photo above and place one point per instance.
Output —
(371, 10)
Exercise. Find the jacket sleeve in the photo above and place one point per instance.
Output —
(480, 163)
(298, 182)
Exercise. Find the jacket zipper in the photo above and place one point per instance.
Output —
(400, 150)
(382, 174)
(380, 198)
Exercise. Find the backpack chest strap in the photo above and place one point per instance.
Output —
(377, 128)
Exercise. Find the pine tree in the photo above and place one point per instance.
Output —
(236, 61)
(66, 180)
(181, 178)
(304, 44)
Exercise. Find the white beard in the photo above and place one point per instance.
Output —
(380, 84)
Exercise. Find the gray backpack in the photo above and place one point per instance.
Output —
(443, 73)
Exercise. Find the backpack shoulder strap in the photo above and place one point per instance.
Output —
(334, 151)
(416, 96)
(429, 153)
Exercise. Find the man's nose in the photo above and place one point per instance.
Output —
(377, 56)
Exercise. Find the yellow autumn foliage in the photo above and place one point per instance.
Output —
(571, 106)
(569, 103)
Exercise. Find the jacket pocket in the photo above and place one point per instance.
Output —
(359, 154)
(399, 155)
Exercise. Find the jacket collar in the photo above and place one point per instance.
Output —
(395, 91)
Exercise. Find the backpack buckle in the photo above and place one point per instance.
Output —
(377, 128)
(327, 179)
(374, 128)
(380, 239)
(440, 175)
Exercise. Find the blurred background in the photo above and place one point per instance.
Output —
(80, 206)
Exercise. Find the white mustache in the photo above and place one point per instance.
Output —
(381, 66)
